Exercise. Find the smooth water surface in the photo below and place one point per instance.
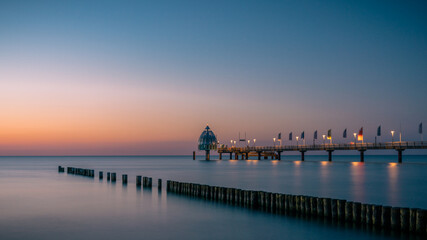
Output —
(37, 202)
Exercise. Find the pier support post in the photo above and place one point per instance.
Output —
(399, 155)
(208, 155)
(247, 155)
(236, 156)
(330, 155)
(279, 155)
(259, 155)
(194, 155)
(220, 156)
(231, 155)
(101, 175)
(159, 184)
(302, 155)
(362, 155)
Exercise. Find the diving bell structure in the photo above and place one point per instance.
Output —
(207, 141)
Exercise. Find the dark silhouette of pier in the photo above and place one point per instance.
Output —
(275, 152)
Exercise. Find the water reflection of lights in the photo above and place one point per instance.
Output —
(252, 162)
(393, 179)
(324, 163)
(297, 163)
(275, 162)
(356, 163)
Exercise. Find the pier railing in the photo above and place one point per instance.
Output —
(328, 147)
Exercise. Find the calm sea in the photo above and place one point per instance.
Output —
(37, 202)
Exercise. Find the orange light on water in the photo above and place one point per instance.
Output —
(254, 162)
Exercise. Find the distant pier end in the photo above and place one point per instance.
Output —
(207, 141)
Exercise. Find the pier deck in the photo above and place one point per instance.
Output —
(275, 151)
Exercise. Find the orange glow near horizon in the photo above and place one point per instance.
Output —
(51, 116)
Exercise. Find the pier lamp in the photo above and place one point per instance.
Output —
(392, 135)
(297, 140)
(354, 134)
(254, 141)
(234, 143)
(274, 141)
(323, 139)
(249, 142)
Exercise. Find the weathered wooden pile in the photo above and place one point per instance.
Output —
(389, 218)
(146, 181)
(79, 171)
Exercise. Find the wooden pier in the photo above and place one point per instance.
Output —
(275, 152)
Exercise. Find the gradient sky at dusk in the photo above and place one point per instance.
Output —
(144, 77)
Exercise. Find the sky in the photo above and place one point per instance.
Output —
(145, 77)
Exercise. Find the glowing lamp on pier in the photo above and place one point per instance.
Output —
(207, 141)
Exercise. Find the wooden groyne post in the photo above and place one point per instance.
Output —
(159, 184)
(138, 181)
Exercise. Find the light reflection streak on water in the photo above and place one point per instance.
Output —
(324, 177)
(297, 176)
(233, 162)
(393, 176)
(251, 162)
(357, 173)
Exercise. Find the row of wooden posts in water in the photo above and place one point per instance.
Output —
(389, 218)
(111, 176)
(411, 220)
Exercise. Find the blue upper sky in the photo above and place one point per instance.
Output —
(266, 66)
